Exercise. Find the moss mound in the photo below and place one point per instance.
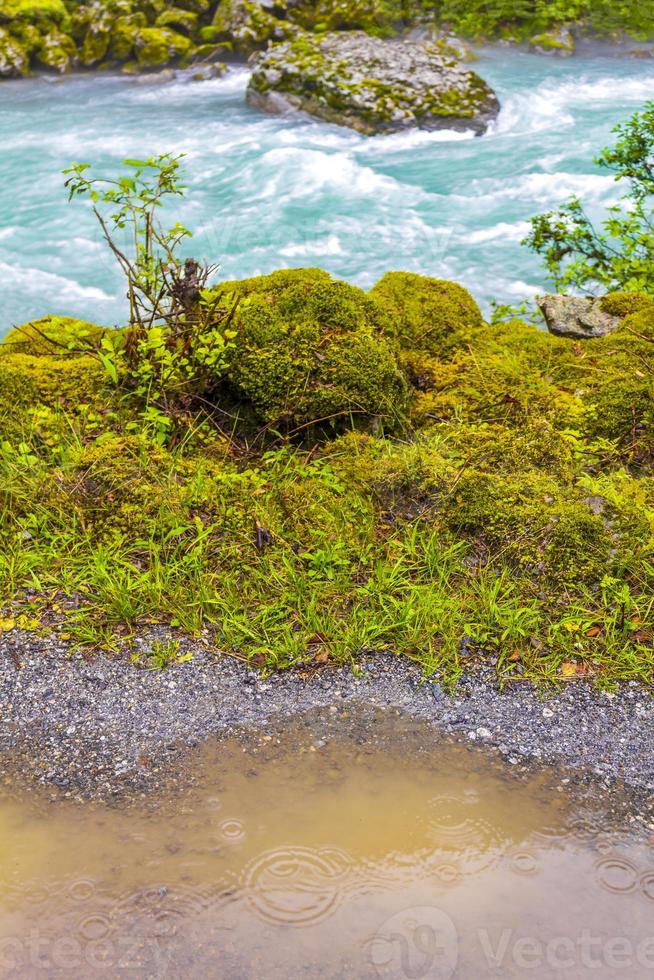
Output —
(58, 336)
(426, 314)
(624, 303)
(311, 349)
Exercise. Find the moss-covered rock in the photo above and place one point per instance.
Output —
(47, 379)
(95, 46)
(27, 35)
(57, 52)
(311, 349)
(426, 314)
(185, 21)
(547, 529)
(123, 35)
(157, 46)
(247, 26)
(558, 41)
(372, 85)
(14, 56)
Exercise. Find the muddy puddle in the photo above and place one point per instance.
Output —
(358, 855)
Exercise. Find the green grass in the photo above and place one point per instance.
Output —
(405, 587)
(508, 521)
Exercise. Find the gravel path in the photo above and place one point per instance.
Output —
(99, 728)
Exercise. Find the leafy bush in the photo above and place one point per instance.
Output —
(619, 255)
(178, 333)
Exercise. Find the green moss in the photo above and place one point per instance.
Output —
(548, 532)
(57, 51)
(210, 34)
(53, 335)
(33, 10)
(427, 314)
(623, 303)
(246, 25)
(28, 383)
(95, 46)
(28, 35)
(14, 56)
(556, 41)
(309, 348)
(157, 46)
(185, 21)
(518, 512)
(124, 33)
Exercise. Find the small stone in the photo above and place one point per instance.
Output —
(577, 317)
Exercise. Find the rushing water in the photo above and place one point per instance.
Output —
(339, 858)
(265, 192)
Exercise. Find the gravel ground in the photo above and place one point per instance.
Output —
(102, 728)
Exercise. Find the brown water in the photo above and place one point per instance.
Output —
(291, 860)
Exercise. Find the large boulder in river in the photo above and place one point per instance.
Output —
(372, 85)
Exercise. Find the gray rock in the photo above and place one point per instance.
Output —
(576, 316)
(372, 85)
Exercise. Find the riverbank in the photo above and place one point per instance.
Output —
(65, 35)
(86, 728)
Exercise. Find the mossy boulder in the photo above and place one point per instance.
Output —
(185, 21)
(374, 16)
(57, 52)
(559, 41)
(312, 349)
(372, 85)
(156, 46)
(44, 369)
(547, 528)
(247, 26)
(426, 314)
(123, 34)
(95, 46)
(14, 56)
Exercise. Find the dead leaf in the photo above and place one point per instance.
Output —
(594, 631)
(316, 639)
(571, 669)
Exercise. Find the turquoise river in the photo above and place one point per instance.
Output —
(266, 192)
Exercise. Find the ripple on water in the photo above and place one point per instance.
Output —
(296, 885)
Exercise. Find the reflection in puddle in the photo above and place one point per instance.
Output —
(327, 859)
